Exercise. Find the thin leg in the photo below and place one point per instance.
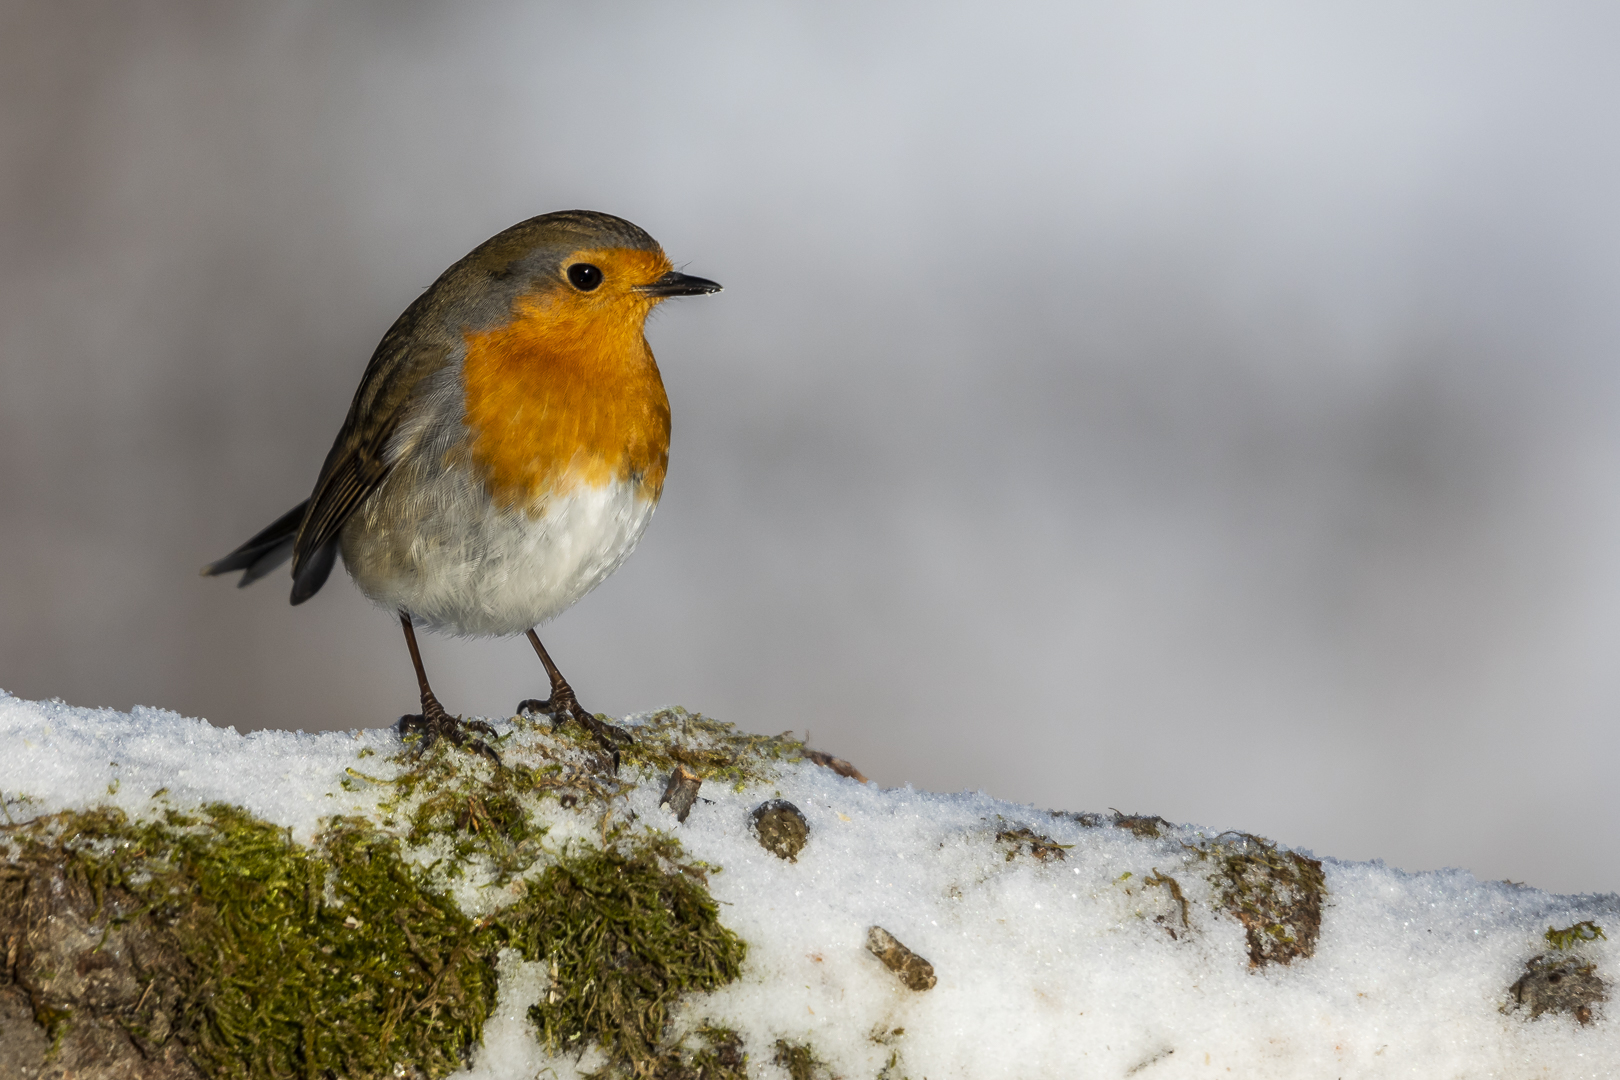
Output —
(430, 704)
(563, 706)
(433, 722)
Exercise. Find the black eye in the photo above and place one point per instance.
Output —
(584, 276)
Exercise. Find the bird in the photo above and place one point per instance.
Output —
(503, 453)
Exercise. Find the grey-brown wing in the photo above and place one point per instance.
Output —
(344, 485)
(357, 464)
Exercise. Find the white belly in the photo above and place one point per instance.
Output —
(492, 571)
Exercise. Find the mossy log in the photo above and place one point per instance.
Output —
(166, 937)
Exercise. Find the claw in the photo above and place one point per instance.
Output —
(562, 706)
(434, 723)
(608, 736)
(414, 724)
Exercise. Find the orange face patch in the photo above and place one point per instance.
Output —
(567, 393)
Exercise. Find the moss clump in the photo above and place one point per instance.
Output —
(1026, 841)
(710, 1053)
(478, 812)
(1171, 885)
(1084, 819)
(340, 959)
(293, 961)
(627, 932)
(1276, 895)
(244, 955)
(800, 1061)
(713, 749)
(1571, 936)
(718, 1056)
(627, 928)
(1141, 826)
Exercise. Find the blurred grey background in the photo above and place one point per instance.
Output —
(1209, 411)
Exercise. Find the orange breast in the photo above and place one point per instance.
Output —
(565, 395)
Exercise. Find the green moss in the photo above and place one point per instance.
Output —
(298, 962)
(478, 817)
(1571, 936)
(478, 814)
(709, 1053)
(800, 1061)
(627, 928)
(718, 1056)
(349, 957)
(627, 932)
(1276, 895)
(713, 749)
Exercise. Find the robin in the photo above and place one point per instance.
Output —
(504, 451)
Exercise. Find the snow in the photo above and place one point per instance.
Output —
(1065, 967)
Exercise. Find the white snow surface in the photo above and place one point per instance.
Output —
(1045, 969)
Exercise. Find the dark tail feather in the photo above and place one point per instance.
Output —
(267, 550)
(308, 578)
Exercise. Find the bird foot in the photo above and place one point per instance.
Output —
(434, 723)
(562, 707)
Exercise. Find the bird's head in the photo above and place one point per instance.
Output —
(560, 385)
(583, 274)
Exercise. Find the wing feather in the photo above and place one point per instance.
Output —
(359, 462)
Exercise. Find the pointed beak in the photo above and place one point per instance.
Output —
(676, 283)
